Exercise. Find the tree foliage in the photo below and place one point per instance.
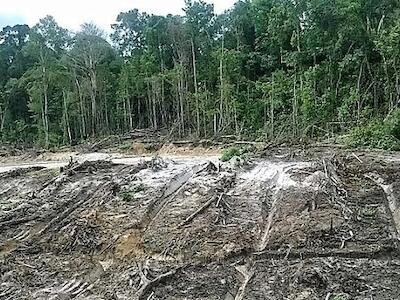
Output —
(273, 69)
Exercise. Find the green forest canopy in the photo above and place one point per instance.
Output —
(270, 69)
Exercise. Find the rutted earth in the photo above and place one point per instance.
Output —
(287, 226)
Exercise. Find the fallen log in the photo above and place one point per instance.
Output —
(199, 211)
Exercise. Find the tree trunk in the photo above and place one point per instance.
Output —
(196, 88)
(295, 105)
(272, 109)
(66, 119)
(46, 113)
(81, 108)
(93, 92)
(221, 79)
(125, 116)
(204, 111)
(235, 108)
(106, 112)
(148, 108)
(129, 108)
(3, 118)
(164, 120)
(181, 98)
(359, 93)
(154, 104)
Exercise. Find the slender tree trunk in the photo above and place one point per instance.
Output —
(164, 120)
(397, 90)
(181, 88)
(178, 107)
(81, 108)
(106, 116)
(182, 108)
(196, 94)
(93, 92)
(129, 108)
(235, 108)
(295, 105)
(149, 110)
(3, 118)
(125, 116)
(44, 122)
(139, 107)
(272, 109)
(66, 119)
(375, 98)
(221, 79)
(45, 88)
(46, 115)
(204, 110)
(154, 102)
(359, 105)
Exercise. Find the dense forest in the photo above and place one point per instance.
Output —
(265, 69)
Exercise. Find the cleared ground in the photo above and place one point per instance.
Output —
(291, 224)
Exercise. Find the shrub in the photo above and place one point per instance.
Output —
(128, 193)
(231, 152)
(378, 134)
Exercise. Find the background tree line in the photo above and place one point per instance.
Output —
(270, 69)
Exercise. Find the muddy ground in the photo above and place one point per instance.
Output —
(288, 224)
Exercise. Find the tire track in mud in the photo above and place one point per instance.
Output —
(175, 219)
(265, 232)
(334, 182)
(393, 206)
(275, 177)
(172, 188)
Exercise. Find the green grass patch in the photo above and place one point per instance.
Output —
(231, 152)
(128, 194)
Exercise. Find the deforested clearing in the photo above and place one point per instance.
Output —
(288, 224)
(200, 149)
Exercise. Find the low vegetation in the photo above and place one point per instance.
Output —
(229, 153)
(378, 134)
(128, 193)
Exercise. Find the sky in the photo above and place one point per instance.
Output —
(72, 13)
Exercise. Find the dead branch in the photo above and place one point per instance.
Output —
(247, 274)
(199, 211)
(148, 284)
(57, 179)
(356, 157)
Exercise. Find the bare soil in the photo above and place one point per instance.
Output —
(318, 223)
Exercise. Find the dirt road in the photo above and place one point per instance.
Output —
(289, 225)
